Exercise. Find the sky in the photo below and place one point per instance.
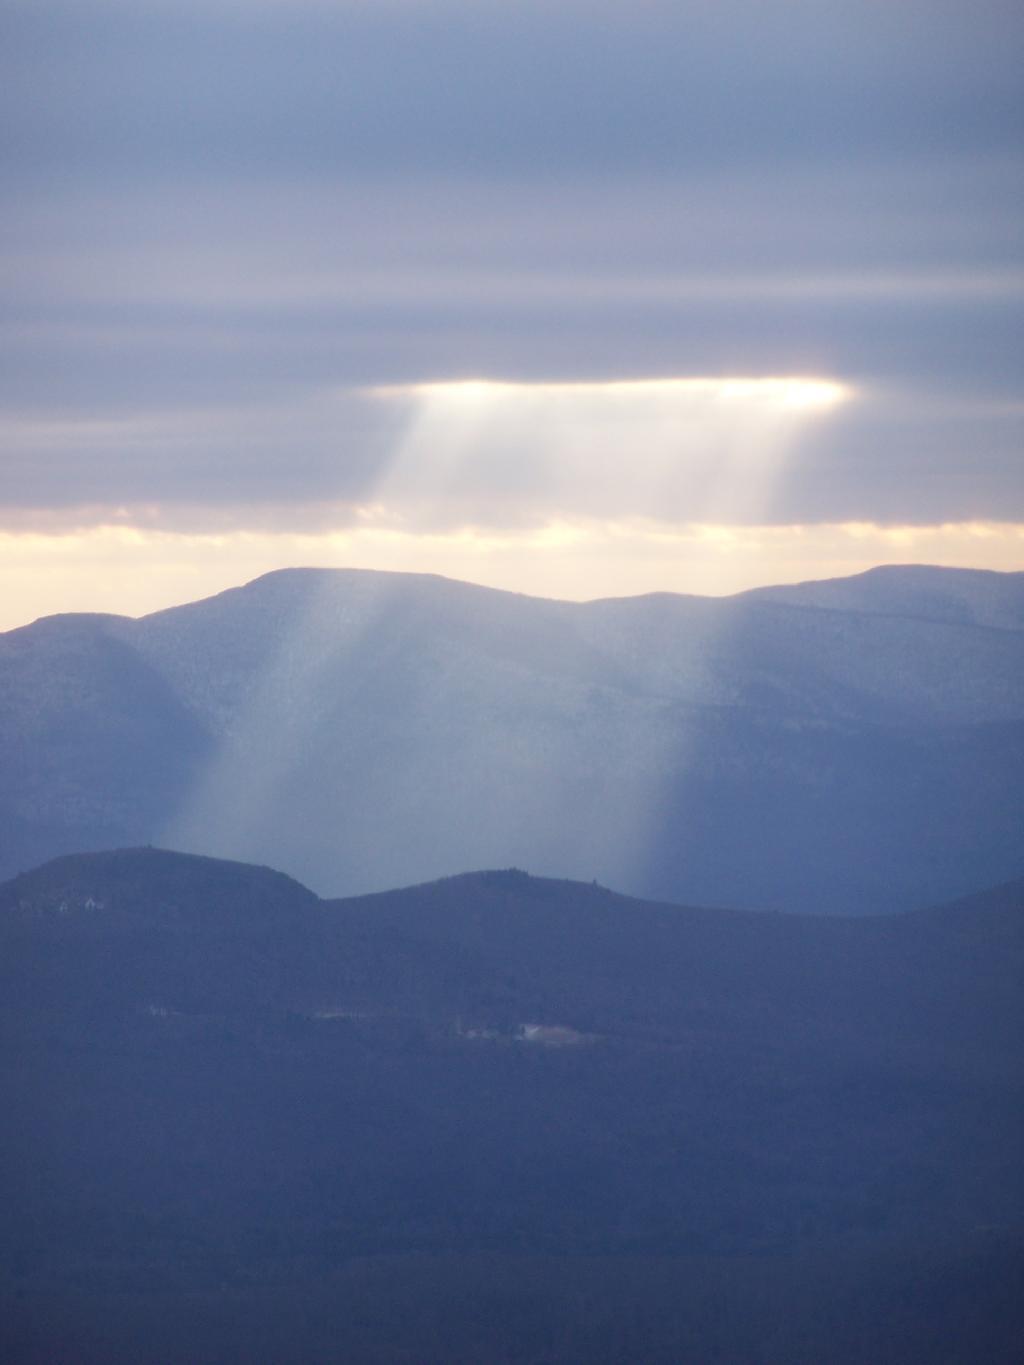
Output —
(573, 298)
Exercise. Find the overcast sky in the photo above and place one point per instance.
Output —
(229, 225)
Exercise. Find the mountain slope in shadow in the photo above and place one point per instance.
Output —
(225, 1095)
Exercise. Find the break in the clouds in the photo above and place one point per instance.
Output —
(232, 227)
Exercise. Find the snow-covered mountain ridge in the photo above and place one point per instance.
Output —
(363, 729)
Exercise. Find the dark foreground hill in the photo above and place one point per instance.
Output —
(500, 1118)
(848, 746)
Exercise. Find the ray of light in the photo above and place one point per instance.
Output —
(684, 450)
(692, 448)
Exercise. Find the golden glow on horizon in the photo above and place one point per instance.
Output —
(131, 571)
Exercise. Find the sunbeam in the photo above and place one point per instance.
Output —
(693, 449)
(688, 449)
(641, 454)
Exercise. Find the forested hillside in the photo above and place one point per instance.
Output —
(502, 1118)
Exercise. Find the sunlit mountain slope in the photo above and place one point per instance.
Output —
(832, 746)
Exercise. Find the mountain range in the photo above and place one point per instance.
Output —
(852, 745)
(501, 1118)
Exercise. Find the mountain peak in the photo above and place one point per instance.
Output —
(157, 884)
(926, 592)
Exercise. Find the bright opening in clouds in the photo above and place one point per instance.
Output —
(785, 393)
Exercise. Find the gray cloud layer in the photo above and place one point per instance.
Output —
(224, 218)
